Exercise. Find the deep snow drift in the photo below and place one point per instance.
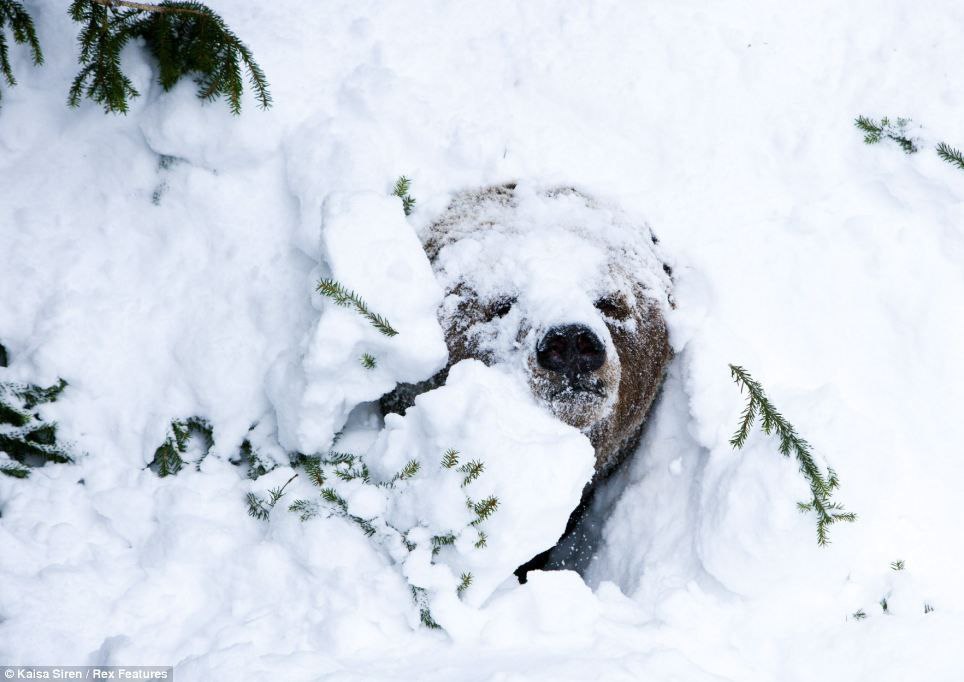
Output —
(164, 264)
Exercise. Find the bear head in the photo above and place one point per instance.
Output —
(568, 292)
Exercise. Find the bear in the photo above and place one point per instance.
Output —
(564, 289)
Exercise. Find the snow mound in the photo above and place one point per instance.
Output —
(368, 247)
(534, 465)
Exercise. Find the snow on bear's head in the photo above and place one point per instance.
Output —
(567, 291)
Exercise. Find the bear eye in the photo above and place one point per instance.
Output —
(613, 307)
(502, 306)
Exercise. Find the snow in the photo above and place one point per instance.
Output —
(164, 264)
(368, 247)
(489, 416)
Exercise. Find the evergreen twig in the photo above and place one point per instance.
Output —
(306, 509)
(951, 155)
(260, 508)
(368, 361)
(328, 472)
(25, 437)
(472, 471)
(401, 190)
(184, 37)
(450, 458)
(14, 469)
(821, 487)
(169, 457)
(347, 298)
(896, 131)
(14, 15)
(464, 584)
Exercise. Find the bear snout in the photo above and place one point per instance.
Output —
(572, 350)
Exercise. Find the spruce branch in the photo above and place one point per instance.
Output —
(260, 508)
(896, 131)
(257, 467)
(347, 298)
(420, 597)
(14, 469)
(169, 456)
(485, 508)
(440, 541)
(465, 581)
(184, 37)
(951, 155)
(791, 443)
(472, 471)
(897, 565)
(368, 361)
(401, 190)
(408, 471)
(450, 458)
(14, 15)
(25, 437)
(306, 509)
(346, 473)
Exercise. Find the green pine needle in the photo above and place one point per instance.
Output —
(368, 361)
(951, 155)
(314, 471)
(401, 189)
(859, 615)
(25, 437)
(185, 38)
(897, 565)
(440, 541)
(472, 471)
(329, 495)
(771, 421)
(169, 457)
(336, 458)
(306, 509)
(343, 466)
(257, 507)
(347, 298)
(895, 131)
(14, 470)
(14, 16)
(260, 508)
(485, 508)
(465, 581)
(450, 458)
(409, 470)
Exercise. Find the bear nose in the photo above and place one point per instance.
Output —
(570, 349)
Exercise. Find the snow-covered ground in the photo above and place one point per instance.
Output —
(164, 263)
